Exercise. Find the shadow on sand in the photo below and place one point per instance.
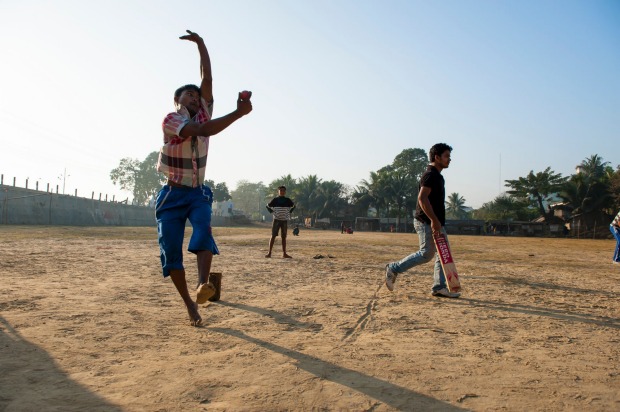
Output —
(538, 311)
(393, 395)
(30, 379)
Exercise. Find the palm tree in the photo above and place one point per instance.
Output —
(587, 197)
(287, 180)
(331, 195)
(593, 167)
(305, 194)
(590, 191)
(455, 206)
(397, 187)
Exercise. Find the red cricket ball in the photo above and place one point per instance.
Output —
(245, 95)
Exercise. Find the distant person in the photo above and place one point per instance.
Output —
(296, 230)
(281, 208)
(183, 159)
(430, 220)
(615, 230)
(342, 227)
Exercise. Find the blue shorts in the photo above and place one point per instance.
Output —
(174, 206)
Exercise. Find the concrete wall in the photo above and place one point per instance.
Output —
(20, 206)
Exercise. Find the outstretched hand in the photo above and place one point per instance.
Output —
(191, 36)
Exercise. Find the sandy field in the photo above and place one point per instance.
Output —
(87, 323)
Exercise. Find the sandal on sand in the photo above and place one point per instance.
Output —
(204, 292)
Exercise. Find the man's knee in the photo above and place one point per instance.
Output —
(427, 254)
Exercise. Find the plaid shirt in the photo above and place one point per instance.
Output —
(616, 221)
(184, 160)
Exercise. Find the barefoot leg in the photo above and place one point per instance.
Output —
(194, 316)
(178, 279)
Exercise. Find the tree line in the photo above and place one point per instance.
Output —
(592, 191)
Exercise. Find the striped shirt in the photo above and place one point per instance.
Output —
(184, 160)
(616, 221)
(281, 207)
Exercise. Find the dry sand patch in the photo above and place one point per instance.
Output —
(88, 323)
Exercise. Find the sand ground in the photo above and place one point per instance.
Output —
(87, 323)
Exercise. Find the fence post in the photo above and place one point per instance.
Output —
(26, 183)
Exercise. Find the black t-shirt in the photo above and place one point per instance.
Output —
(433, 179)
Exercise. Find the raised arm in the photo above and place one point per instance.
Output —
(206, 84)
(214, 126)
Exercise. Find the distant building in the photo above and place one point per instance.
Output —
(224, 208)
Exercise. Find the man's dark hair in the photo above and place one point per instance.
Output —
(281, 187)
(181, 89)
(437, 150)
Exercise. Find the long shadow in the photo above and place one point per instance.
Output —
(278, 317)
(30, 380)
(379, 389)
(515, 280)
(532, 310)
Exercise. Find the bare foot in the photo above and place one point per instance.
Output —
(204, 292)
(268, 255)
(194, 316)
(285, 256)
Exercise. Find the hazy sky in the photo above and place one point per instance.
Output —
(339, 87)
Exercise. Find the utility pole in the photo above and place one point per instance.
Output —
(64, 178)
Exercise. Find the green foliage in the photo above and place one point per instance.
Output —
(220, 191)
(313, 197)
(411, 162)
(139, 177)
(393, 189)
(306, 195)
(251, 198)
(455, 207)
(330, 199)
(614, 188)
(590, 191)
(287, 181)
(506, 207)
(537, 186)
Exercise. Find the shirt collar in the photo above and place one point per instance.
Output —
(182, 110)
